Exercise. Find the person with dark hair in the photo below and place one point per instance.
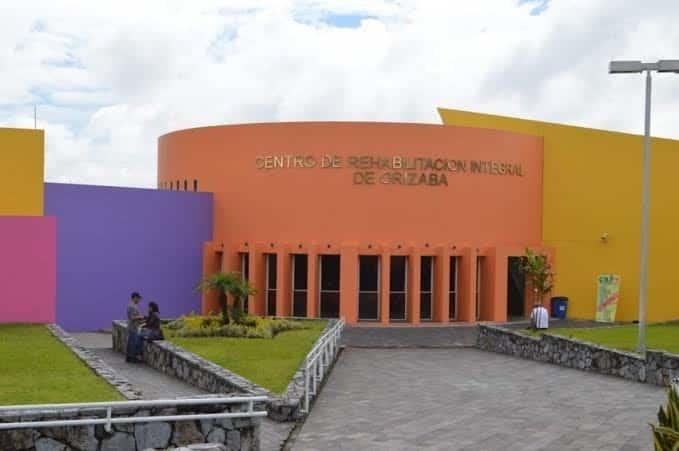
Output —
(152, 330)
(134, 320)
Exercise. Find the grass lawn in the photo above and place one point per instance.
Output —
(270, 363)
(658, 336)
(36, 368)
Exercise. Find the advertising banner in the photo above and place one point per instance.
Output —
(608, 293)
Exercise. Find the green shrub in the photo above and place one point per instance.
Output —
(666, 433)
(247, 327)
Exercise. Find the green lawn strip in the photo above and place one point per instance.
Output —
(36, 368)
(658, 336)
(270, 363)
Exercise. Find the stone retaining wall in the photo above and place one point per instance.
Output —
(177, 362)
(235, 433)
(657, 368)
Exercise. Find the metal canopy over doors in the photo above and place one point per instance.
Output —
(368, 287)
(329, 275)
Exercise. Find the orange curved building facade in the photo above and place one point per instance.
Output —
(375, 222)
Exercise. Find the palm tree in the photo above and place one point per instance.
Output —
(240, 291)
(223, 282)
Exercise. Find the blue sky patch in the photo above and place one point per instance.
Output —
(539, 6)
(345, 20)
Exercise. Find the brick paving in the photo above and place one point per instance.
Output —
(452, 399)
(156, 385)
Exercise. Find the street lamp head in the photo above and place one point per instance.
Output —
(668, 66)
(635, 67)
(625, 67)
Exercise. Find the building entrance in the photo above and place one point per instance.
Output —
(516, 288)
(329, 268)
(299, 284)
(398, 287)
(368, 287)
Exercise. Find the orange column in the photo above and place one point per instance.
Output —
(349, 283)
(466, 298)
(385, 277)
(442, 285)
(230, 259)
(496, 298)
(283, 282)
(414, 273)
(212, 261)
(312, 283)
(257, 279)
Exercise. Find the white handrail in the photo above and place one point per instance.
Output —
(110, 406)
(318, 360)
(140, 403)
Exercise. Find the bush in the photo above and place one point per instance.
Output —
(248, 327)
(666, 433)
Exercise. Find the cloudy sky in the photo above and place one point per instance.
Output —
(109, 77)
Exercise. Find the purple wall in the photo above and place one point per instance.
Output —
(112, 241)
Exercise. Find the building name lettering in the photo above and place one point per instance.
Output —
(394, 170)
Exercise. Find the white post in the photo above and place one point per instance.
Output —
(645, 188)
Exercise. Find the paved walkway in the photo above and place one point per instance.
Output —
(428, 335)
(397, 399)
(156, 385)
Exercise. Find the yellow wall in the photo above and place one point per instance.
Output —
(21, 172)
(591, 186)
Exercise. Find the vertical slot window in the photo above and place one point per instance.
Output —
(329, 267)
(368, 287)
(398, 287)
(452, 289)
(271, 272)
(426, 286)
(300, 267)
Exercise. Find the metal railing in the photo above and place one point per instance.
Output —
(110, 407)
(319, 359)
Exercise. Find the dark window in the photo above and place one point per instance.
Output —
(300, 265)
(398, 287)
(330, 285)
(271, 270)
(245, 273)
(426, 286)
(177, 185)
(195, 185)
(186, 185)
(368, 287)
(452, 289)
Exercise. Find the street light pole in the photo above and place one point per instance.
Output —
(645, 197)
(627, 67)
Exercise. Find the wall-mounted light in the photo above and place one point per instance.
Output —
(604, 237)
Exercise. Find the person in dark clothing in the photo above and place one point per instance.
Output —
(134, 320)
(151, 329)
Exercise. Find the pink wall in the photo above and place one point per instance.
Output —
(27, 269)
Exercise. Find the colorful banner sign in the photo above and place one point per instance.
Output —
(608, 293)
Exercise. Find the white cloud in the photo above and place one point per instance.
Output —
(110, 77)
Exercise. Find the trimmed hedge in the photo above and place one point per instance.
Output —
(246, 327)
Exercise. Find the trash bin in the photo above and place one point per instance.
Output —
(559, 307)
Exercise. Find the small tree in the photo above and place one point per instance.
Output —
(538, 270)
(223, 282)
